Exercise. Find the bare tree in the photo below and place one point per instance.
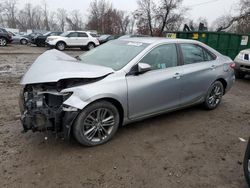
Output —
(145, 15)
(154, 18)
(98, 9)
(10, 11)
(30, 17)
(166, 13)
(106, 19)
(74, 20)
(46, 16)
(238, 23)
(61, 17)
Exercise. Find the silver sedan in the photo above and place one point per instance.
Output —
(120, 82)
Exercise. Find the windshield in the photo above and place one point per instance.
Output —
(65, 34)
(45, 34)
(103, 37)
(115, 54)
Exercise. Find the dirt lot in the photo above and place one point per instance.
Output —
(187, 149)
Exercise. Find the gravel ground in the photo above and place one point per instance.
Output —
(189, 148)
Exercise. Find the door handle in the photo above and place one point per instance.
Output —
(177, 76)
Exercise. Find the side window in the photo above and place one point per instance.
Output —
(53, 34)
(162, 57)
(72, 35)
(82, 35)
(208, 56)
(192, 54)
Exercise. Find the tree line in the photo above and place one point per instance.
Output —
(151, 17)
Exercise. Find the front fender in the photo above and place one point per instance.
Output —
(81, 102)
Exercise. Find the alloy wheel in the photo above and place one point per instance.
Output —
(61, 46)
(24, 42)
(98, 125)
(215, 95)
(91, 46)
(3, 42)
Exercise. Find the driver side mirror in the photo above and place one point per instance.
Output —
(143, 68)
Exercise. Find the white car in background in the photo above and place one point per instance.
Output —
(242, 64)
(73, 39)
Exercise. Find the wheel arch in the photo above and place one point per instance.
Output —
(62, 42)
(224, 83)
(4, 38)
(116, 103)
(91, 42)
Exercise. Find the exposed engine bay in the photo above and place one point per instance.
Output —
(42, 107)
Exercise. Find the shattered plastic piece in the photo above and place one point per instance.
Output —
(242, 139)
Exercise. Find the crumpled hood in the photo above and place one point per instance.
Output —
(54, 65)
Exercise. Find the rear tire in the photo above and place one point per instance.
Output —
(61, 46)
(3, 41)
(96, 124)
(90, 46)
(239, 75)
(23, 42)
(214, 96)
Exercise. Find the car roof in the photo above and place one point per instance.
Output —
(79, 31)
(155, 40)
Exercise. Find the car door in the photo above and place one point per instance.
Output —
(72, 39)
(82, 39)
(198, 72)
(158, 89)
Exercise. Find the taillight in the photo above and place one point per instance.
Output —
(232, 65)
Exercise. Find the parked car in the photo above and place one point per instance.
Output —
(19, 39)
(242, 64)
(145, 77)
(5, 37)
(40, 39)
(132, 36)
(73, 39)
(31, 36)
(105, 38)
(97, 36)
(246, 163)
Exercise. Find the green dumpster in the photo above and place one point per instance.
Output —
(229, 44)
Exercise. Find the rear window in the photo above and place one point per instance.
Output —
(82, 35)
(193, 53)
(93, 35)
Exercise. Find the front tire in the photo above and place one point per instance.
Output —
(96, 124)
(214, 96)
(61, 46)
(3, 41)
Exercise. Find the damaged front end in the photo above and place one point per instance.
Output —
(44, 103)
(42, 109)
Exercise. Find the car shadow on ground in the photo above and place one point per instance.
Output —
(133, 129)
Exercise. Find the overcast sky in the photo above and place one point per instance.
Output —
(210, 9)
